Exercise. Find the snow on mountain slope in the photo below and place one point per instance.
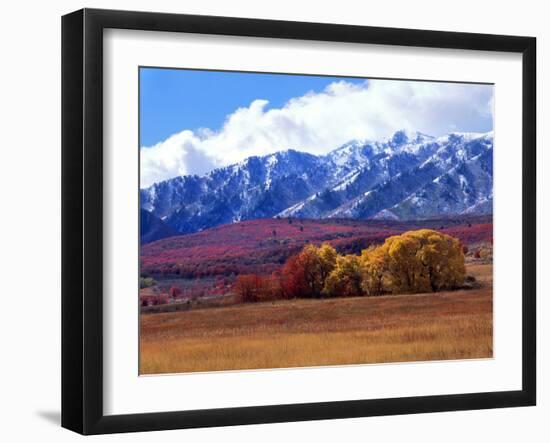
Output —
(453, 179)
(409, 175)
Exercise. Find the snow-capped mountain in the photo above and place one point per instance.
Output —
(407, 176)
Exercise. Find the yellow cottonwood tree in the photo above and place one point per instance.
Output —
(327, 260)
(373, 267)
(318, 263)
(404, 267)
(442, 257)
(345, 278)
(424, 261)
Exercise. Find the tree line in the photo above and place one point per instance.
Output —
(415, 261)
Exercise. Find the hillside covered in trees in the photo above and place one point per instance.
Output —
(263, 246)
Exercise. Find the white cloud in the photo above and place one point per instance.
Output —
(320, 122)
(179, 154)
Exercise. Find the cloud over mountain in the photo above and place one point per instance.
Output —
(319, 122)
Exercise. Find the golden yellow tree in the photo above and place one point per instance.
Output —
(423, 261)
(318, 263)
(345, 278)
(442, 257)
(327, 260)
(373, 267)
(404, 267)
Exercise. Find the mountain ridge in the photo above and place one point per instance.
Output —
(407, 176)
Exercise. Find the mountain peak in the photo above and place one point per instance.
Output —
(400, 137)
(404, 136)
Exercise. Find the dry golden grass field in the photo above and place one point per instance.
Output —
(396, 328)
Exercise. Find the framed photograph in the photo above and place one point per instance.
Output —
(268, 221)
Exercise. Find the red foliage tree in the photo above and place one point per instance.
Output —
(293, 277)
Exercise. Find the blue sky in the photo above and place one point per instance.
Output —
(194, 121)
(176, 99)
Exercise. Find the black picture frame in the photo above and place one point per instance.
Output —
(82, 216)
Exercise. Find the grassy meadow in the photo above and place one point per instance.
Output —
(322, 332)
